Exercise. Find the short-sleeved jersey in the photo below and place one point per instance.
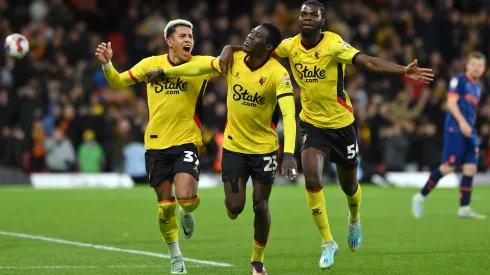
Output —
(468, 92)
(174, 104)
(252, 105)
(319, 72)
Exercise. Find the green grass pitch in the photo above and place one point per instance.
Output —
(394, 242)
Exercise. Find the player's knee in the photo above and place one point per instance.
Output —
(261, 208)
(234, 208)
(446, 169)
(313, 182)
(349, 187)
(469, 170)
(189, 204)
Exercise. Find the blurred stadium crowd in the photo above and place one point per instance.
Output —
(57, 112)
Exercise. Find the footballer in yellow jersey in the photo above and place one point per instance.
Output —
(173, 130)
(318, 61)
(256, 85)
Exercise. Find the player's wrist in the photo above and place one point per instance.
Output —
(287, 155)
(107, 65)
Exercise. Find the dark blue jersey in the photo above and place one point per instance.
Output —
(468, 92)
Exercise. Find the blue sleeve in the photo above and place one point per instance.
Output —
(456, 87)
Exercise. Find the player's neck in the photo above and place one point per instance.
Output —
(311, 40)
(472, 78)
(255, 62)
(172, 59)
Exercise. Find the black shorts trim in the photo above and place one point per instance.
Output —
(163, 164)
(261, 167)
(340, 145)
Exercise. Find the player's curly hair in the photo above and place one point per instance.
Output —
(316, 3)
(274, 35)
(172, 25)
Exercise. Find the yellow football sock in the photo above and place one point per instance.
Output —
(189, 204)
(167, 220)
(354, 203)
(318, 210)
(258, 251)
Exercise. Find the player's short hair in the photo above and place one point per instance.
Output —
(477, 55)
(274, 35)
(172, 25)
(316, 3)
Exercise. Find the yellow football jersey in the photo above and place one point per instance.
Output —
(174, 104)
(319, 72)
(252, 103)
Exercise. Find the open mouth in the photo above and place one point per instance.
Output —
(187, 49)
(247, 42)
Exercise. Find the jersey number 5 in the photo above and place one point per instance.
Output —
(271, 163)
(190, 157)
(351, 153)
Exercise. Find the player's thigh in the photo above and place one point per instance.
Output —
(315, 149)
(159, 173)
(313, 161)
(185, 185)
(261, 194)
(261, 191)
(185, 170)
(234, 174)
(454, 149)
(236, 196)
(164, 190)
(262, 167)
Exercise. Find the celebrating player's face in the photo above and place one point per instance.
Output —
(476, 67)
(181, 43)
(255, 41)
(310, 19)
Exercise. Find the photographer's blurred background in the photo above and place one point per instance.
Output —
(58, 114)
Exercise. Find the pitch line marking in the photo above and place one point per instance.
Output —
(86, 266)
(109, 248)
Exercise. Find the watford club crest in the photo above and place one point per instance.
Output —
(317, 54)
(262, 80)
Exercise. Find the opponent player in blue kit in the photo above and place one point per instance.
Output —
(460, 140)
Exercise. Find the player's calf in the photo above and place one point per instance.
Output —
(169, 229)
(465, 190)
(419, 198)
(262, 223)
(187, 222)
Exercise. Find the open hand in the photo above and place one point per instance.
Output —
(289, 168)
(423, 75)
(104, 53)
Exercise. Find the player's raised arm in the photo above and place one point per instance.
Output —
(119, 80)
(200, 67)
(379, 65)
(346, 54)
(286, 103)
